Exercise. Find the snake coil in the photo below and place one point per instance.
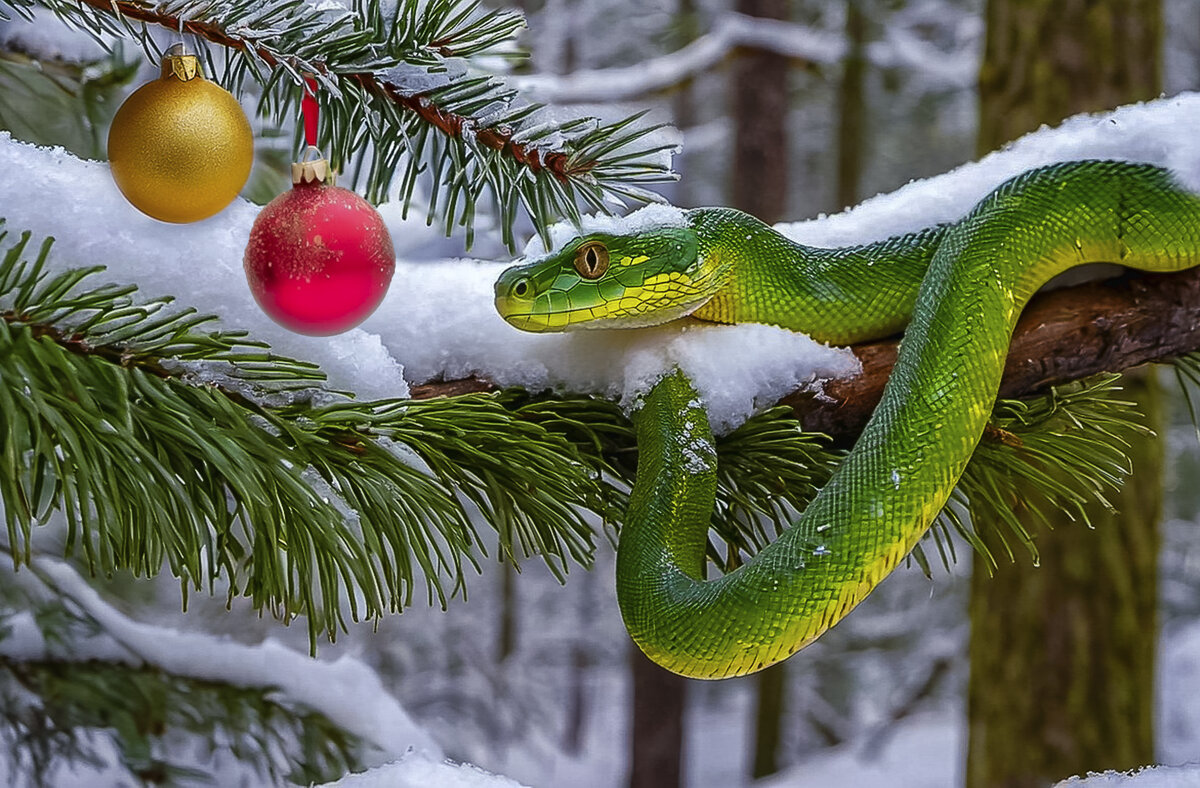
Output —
(959, 289)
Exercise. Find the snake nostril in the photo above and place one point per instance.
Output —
(521, 287)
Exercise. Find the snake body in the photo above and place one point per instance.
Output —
(959, 289)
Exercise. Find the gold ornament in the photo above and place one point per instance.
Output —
(180, 147)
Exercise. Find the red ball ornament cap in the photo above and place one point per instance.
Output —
(312, 170)
(319, 259)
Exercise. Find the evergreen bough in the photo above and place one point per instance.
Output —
(151, 441)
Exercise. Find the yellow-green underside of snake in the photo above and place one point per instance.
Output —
(959, 289)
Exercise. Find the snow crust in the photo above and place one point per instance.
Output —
(438, 319)
(1157, 132)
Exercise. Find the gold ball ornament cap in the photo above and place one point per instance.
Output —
(180, 147)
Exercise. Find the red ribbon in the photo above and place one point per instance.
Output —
(308, 108)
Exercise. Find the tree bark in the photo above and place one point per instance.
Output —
(658, 705)
(1062, 655)
(851, 109)
(760, 187)
(1045, 60)
(760, 110)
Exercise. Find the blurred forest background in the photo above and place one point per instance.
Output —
(790, 109)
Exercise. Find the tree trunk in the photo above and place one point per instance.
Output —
(1062, 655)
(658, 705)
(1047, 59)
(760, 110)
(851, 106)
(759, 187)
(770, 688)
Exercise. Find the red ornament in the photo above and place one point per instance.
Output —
(319, 259)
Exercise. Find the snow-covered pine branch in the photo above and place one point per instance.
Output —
(730, 32)
(402, 97)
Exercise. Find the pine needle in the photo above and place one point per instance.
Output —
(161, 445)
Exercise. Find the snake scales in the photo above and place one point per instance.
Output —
(958, 288)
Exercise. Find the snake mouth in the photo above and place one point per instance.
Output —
(541, 322)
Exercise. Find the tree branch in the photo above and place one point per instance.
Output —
(807, 47)
(1063, 335)
(452, 124)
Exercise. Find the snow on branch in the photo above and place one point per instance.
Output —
(1064, 335)
(402, 100)
(347, 691)
(730, 32)
(415, 337)
(1156, 132)
(97, 643)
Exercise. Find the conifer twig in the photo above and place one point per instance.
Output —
(403, 105)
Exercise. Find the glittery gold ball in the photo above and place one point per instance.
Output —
(180, 147)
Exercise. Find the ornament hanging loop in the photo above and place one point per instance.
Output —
(312, 167)
(310, 111)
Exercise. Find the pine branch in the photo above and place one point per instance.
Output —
(62, 710)
(401, 104)
(1064, 450)
(1065, 447)
(251, 473)
(140, 707)
(159, 442)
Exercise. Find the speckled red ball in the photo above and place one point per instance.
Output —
(319, 259)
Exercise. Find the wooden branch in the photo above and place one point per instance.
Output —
(1063, 335)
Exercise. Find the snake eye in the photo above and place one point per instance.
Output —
(591, 260)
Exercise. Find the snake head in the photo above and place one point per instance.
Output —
(604, 280)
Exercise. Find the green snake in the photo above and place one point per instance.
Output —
(958, 288)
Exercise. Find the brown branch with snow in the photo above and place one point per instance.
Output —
(558, 163)
(1063, 335)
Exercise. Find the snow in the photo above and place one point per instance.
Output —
(200, 264)
(438, 320)
(643, 219)
(1157, 132)
(1150, 777)
(346, 691)
(421, 772)
(46, 35)
(921, 753)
